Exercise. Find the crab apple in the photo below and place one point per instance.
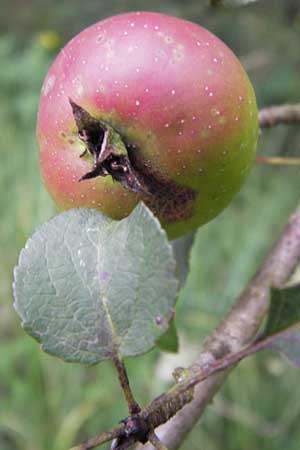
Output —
(145, 106)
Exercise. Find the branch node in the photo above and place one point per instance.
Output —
(179, 374)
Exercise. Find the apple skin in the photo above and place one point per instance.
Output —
(176, 93)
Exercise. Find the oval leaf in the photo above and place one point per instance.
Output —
(282, 329)
(284, 309)
(88, 287)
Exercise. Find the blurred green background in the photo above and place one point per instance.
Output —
(49, 405)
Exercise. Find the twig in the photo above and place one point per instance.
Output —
(277, 160)
(228, 344)
(133, 406)
(224, 363)
(275, 115)
(123, 443)
(100, 439)
(136, 427)
(156, 442)
(236, 330)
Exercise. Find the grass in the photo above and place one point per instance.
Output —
(46, 404)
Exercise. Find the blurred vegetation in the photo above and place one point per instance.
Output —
(46, 404)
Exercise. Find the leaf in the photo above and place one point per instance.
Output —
(284, 309)
(182, 250)
(283, 324)
(168, 342)
(88, 287)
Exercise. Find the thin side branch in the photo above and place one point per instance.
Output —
(275, 115)
(227, 362)
(156, 442)
(229, 343)
(277, 160)
(237, 330)
(100, 439)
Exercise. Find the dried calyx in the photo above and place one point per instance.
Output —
(109, 153)
(113, 156)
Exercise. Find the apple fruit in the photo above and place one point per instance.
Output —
(146, 106)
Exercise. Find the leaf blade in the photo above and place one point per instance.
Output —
(88, 287)
(282, 330)
(284, 309)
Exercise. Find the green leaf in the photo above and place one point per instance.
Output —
(283, 324)
(168, 342)
(88, 287)
(182, 249)
(284, 309)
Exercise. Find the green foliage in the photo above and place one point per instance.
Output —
(23, 202)
(284, 309)
(227, 252)
(284, 322)
(48, 405)
(90, 288)
(168, 342)
(224, 257)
